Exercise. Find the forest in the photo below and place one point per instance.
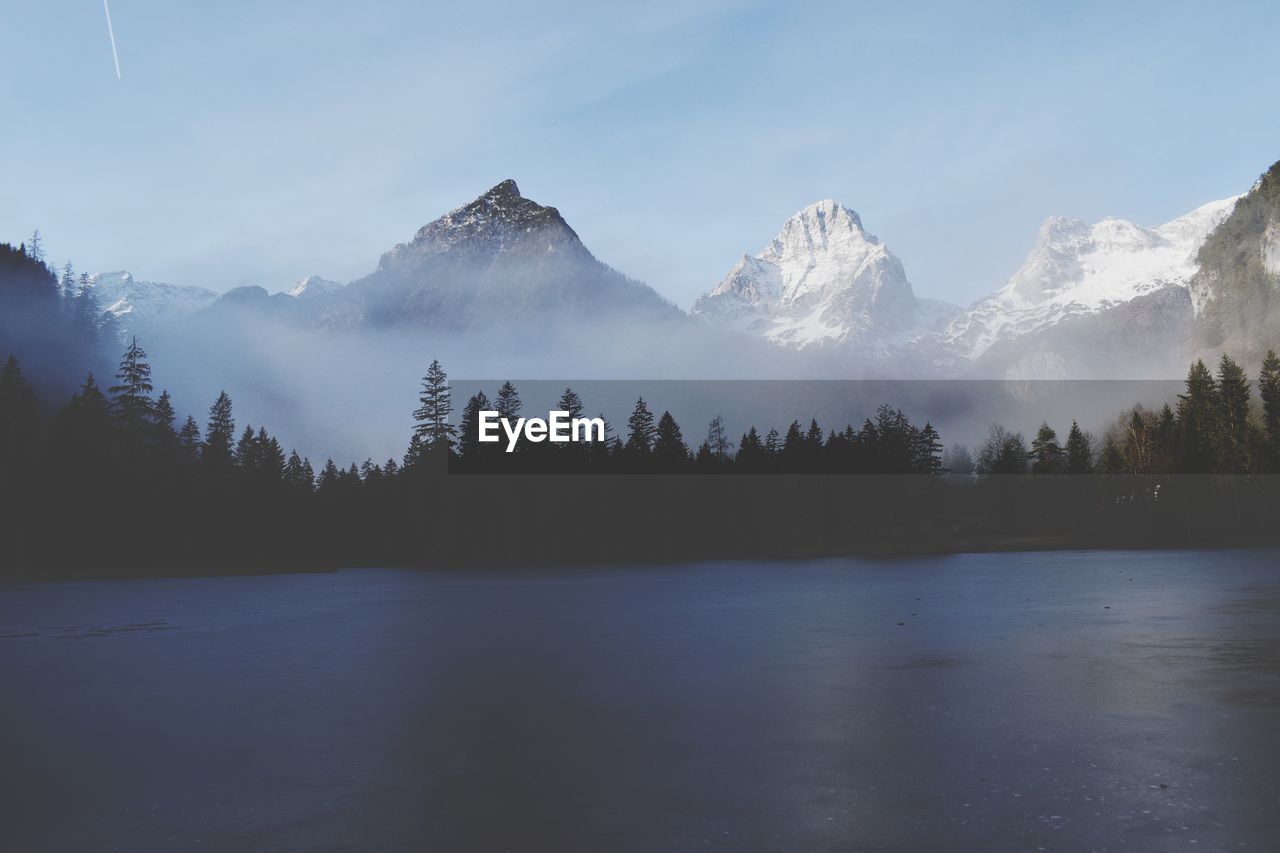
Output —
(113, 476)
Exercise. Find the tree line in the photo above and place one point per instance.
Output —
(129, 432)
(116, 476)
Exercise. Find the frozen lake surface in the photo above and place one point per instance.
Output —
(1055, 701)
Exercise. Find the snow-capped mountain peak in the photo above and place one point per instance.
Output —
(823, 278)
(314, 285)
(136, 303)
(1076, 269)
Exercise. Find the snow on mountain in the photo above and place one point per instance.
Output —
(1076, 270)
(823, 280)
(313, 286)
(136, 303)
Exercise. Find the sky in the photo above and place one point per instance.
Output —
(257, 143)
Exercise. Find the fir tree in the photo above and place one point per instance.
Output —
(34, 247)
(794, 448)
(163, 420)
(1197, 415)
(507, 404)
(1046, 453)
(132, 396)
(327, 482)
(297, 474)
(413, 455)
(470, 447)
(67, 284)
(1269, 391)
(1112, 459)
(189, 440)
(669, 450)
(929, 450)
(1233, 440)
(641, 430)
(1079, 451)
(219, 433)
(570, 402)
(270, 462)
(751, 452)
(772, 444)
(246, 455)
(432, 416)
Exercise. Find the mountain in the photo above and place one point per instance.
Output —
(824, 281)
(1076, 271)
(1237, 288)
(136, 305)
(497, 261)
(1107, 299)
(824, 298)
(314, 287)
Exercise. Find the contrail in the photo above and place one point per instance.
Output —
(112, 35)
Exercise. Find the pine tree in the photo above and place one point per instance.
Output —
(794, 449)
(270, 458)
(751, 452)
(1269, 391)
(413, 455)
(570, 402)
(219, 434)
(1079, 451)
(35, 247)
(669, 450)
(470, 447)
(1233, 418)
(1197, 417)
(246, 456)
(772, 444)
(929, 450)
(327, 482)
(1112, 459)
(85, 311)
(432, 417)
(132, 396)
(1046, 453)
(189, 440)
(67, 284)
(296, 475)
(508, 403)
(641, 430)
(1165, 439)
(163, 419)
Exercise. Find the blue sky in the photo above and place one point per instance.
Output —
(256, 143)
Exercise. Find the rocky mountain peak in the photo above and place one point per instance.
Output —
(500, 220)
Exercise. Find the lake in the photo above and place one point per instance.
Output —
(1028, 701)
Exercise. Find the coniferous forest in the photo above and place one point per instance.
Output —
(112, 477)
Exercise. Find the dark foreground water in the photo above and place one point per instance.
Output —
(1059, 701)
